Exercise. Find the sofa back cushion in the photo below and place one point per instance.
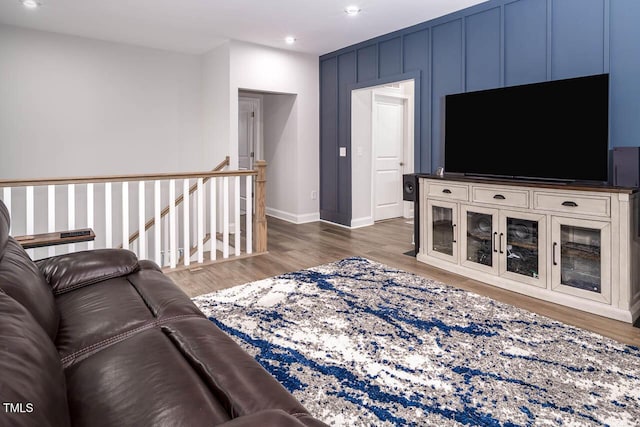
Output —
(21, 279)
(4, 226)
(32, 382)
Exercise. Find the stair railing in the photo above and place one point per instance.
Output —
(113, 205)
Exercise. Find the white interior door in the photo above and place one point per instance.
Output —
(388, 142)
(246, 139)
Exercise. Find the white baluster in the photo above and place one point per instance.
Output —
(51, 214)
(6, 198)
(213, 239)
(237, 227)
(90, 213)
(30, 216)
(249, 215)
(71, 212)
(142, 235)
(125, 215)
(172, 223)
(165, 240)
(185, 222)
(108, 221)
(200, 220)
(157, 224)
(30, 210)
(225, 217)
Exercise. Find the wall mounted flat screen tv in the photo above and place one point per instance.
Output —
(556, 130)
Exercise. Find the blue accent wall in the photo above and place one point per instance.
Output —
(493, 44)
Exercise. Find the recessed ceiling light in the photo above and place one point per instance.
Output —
(352, 10)
(30, 4)
(289, 40)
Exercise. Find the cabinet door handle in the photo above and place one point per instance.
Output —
(500, 243)
(454, 234)
(446, 191)
(495, 247)
(553, 255)
(569, 203)
(499, 197)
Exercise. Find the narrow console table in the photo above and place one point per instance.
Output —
(56, 238)
(574, 245)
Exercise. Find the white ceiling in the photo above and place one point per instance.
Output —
(196, 26)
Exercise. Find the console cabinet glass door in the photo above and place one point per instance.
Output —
(478, 234)
(521, 246)
(581, 258)
(442, 221)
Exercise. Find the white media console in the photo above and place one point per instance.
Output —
(574, 245)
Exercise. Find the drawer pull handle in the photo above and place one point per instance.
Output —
(446, 191)
(571, 204)
(499, 197)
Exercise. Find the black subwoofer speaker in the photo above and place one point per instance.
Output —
(409, 187)
(410, 194)
(626, 166)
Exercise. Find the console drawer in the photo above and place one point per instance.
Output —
(500, 196)
(447, 191)
(586, 205)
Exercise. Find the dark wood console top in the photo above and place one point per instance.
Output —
(52, 239)
(532, 183)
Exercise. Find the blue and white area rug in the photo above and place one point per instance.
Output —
(361, 344)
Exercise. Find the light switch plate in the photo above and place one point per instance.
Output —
(343, 151)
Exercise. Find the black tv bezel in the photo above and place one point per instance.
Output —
(537, 178)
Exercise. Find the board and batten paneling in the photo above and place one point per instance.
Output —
(329, 138)
(416, 49)
(579, 48)
(390, 54)
(624, 50)
(482, 50)
(493, 44)
(525, 42)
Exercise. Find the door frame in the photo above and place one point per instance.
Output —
(258, 149)
(407, 147)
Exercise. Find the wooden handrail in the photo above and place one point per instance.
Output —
(179, 200)
(121, 178)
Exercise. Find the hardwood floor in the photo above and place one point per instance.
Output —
(293, 247)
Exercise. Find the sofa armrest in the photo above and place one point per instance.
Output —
(75, 270)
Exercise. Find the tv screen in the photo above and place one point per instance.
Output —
(556, 130)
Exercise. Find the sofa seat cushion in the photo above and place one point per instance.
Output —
(31, 376)
(193, 370)
(242, 385)
(106, 312)
(141, 381)
(21, 279)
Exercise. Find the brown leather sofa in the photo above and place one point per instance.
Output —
(99, 338)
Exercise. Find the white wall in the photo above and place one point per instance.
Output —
(262, 69)
(280, 118)
(72, 106)
(76, 106)
(216, 97)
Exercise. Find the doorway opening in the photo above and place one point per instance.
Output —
(267, 130)
(382, 141)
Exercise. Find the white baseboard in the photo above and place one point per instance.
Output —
(362, 222)
(294, 218)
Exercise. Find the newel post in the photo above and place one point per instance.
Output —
(260, 218)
